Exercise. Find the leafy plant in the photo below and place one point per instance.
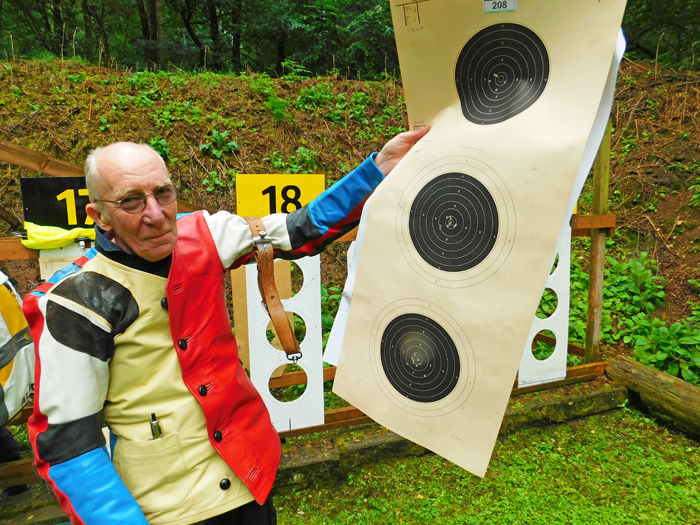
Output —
(674, 349)
(214, 182)
(159, 144)
(304, 161)
(315, 100)
(329, 308)
(358, 104)
(295, 70)
(695, 198)
(76, 79)
(219, 144)
(262, 85)
(104, 125)
(175, 112)
(633, 287)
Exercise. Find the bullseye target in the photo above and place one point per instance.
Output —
(419, 358)
(501, 71)
(454, 222)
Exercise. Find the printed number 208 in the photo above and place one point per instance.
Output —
(500, 5)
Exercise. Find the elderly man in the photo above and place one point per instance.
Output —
(136, 334)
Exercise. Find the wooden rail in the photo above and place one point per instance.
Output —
(351, 416)
(17, 473)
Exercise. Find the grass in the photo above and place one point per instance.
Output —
(617, 468)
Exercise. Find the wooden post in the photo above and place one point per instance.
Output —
(601, 180)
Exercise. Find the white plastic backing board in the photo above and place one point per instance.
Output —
(533, 371)
(51, 261)
(307, 410)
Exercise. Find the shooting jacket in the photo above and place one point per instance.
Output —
(117, 342)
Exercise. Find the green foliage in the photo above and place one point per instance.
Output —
(295, 71)
(304, 161)
(76, 79)
(21, 436)
(672, 27)
(632, 287)
(159, 144)
(358, 103)
(104, 125)
(617, 469)
(695, 198)
(219, 144)
(214, 182)
(177, 112)
(316, 99)
(329, 308)
(263, 86)
(673, 349)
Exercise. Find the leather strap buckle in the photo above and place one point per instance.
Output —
(264, 256)
(294, 357)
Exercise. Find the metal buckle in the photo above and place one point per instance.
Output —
(294, 357)
(262, 239)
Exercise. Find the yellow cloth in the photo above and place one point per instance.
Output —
(52, 237)
(14, 320)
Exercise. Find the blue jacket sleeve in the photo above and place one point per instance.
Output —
(333, 213)
(95, 491)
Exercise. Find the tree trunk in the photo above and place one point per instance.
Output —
(58, 29)
(281, 51)
(187, 22)
(236, 15)
(89, 33)
(217, 48)
(143, 17)
(155, 23)
(662, 392)
(102, 40)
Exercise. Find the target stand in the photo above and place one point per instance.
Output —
(533, 371)
(307, 410)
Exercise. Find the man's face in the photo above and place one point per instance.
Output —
(125, 169)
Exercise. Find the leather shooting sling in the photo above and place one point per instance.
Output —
(264, 256)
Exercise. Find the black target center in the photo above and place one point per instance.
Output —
(454, 222)
(419, 358)
(501, 71)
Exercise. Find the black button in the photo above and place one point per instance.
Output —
(225, 484)
(164, 302)
(218, 436)
(182, 343)
(202, 390)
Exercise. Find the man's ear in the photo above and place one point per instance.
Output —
(101, 219)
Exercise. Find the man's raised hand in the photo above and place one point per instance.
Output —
(396, 149)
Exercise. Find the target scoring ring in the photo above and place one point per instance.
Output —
(501, 71)
(453, 222)
(419, 358)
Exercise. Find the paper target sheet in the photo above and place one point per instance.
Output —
(458, 240)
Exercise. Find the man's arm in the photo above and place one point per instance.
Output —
(73, 319)
(309, 230)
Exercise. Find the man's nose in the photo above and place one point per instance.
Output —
(153, 212)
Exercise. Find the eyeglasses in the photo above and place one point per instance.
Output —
(136, 202)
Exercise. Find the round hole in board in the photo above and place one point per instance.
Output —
(544, 344)
(289, 393)
(298, 325)
(548, 304)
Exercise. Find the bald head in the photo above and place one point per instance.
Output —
(125, 169)
(127, 156)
